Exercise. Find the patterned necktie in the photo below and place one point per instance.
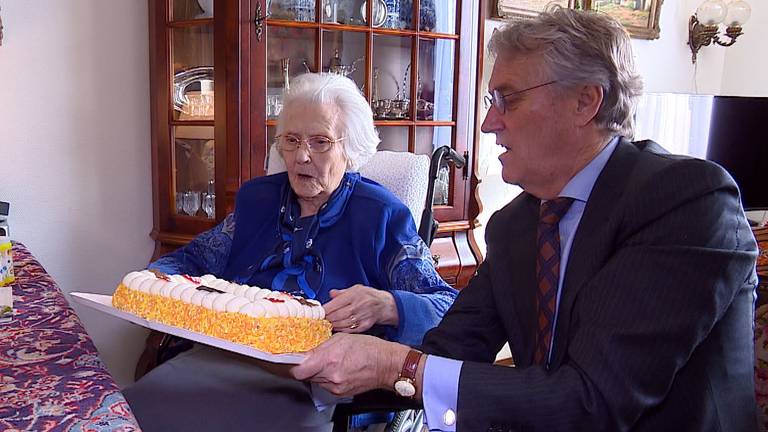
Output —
(548, 272)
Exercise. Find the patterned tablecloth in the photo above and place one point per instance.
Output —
(51, 376)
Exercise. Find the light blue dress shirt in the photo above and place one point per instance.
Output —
(441, 375)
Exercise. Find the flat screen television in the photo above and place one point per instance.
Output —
(729, 130)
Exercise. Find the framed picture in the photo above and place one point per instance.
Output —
(523, 9)
(640, 17)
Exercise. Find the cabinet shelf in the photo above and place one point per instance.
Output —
(360, 29)
(193, 123)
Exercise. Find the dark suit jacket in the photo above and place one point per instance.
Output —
(654, 329)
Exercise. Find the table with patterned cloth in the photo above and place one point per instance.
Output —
(51, 376)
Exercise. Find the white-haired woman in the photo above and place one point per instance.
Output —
(318, 230)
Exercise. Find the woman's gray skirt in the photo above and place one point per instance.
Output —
(207, 389)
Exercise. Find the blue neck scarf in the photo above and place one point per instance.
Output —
(302, 267)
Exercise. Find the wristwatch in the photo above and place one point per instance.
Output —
(405, 384)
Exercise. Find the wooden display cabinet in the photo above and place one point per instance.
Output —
(218, 70)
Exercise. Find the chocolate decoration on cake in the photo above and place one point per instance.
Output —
(303, 301)
(160, 275)
(209, 289)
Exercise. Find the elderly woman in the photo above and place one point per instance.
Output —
(319, 230)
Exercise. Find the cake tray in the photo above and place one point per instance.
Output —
(103, 303)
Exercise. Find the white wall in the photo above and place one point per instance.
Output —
(74, 149)
(665, 65)
(746, 62)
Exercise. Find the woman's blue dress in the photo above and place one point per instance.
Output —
(362, 235)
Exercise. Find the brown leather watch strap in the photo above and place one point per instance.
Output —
(411, 364)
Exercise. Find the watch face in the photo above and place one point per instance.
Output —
(405, 388)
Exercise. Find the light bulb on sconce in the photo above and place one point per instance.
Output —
(703, 27)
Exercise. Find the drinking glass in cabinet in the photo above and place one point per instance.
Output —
(209, 200)
(274, 105)
(179, 202)
(191, 202)
(209, 204)
(442, 184)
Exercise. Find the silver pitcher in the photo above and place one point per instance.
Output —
(337, 67)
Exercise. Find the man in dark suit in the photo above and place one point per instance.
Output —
(622, 277)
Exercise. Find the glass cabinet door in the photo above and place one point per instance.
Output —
(438, 16)
(404, 59)
(349, 13)
(184, 10)
(218, 80)
(344, 53)
(392, 69)
(290, 52)
(435, 83)
(292, 10)
(190, 30)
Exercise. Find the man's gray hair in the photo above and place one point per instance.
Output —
(581, 47)
(355, 118)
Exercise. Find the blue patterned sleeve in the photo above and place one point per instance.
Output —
(205, 254)
(421, 295)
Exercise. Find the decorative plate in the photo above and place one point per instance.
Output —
(379, 12)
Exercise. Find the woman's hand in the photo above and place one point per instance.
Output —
(357, 308)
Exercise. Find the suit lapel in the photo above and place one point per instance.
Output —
(592, 242)
(521, 286)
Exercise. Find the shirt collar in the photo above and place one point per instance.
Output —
(580, 185)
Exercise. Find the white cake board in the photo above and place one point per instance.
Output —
(103, 303)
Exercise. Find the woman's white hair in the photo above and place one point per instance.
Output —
(355, 118)
(581, 47)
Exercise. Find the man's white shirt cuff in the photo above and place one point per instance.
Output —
(441, 393)
(323, 399)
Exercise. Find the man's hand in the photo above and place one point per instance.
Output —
(347, 365)
(359, 307)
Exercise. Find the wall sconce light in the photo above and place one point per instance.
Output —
(703, 27)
